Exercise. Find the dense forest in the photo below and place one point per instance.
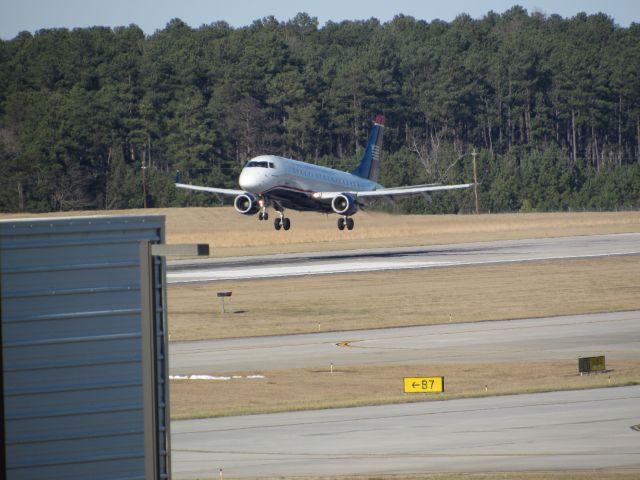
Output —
(101, 118)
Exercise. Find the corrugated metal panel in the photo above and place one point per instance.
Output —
(72, 346)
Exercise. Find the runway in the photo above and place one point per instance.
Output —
(586, 429)
(508, 251)
(616, 335)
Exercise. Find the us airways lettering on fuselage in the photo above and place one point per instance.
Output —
(282, 183)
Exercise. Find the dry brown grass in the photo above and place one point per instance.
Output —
(231, 234)
(317, 232)
(400, 298)
(304, 389)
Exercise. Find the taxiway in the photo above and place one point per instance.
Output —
(585, 429)
(616, 335)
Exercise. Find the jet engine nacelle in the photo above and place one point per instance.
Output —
(344, 204)
(246, 204)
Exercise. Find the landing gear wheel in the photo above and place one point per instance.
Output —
(265, 216)
(350, 223)
(260, 216)
(286, 223)
(277, 223)
(341, 223)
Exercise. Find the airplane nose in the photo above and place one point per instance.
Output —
(249, 180)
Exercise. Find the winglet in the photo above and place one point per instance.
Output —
(178, 176)
(379, 120)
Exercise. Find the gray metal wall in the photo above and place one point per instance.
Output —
(74, 405)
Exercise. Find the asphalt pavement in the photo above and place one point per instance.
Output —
(581, 430)
(615, 335)
(348, 261)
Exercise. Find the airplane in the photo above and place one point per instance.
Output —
(270, 180)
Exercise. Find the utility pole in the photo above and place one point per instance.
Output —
(475, 180)
(144, 183)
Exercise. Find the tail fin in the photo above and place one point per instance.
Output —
(370, 164)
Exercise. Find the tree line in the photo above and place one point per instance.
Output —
(101, 118)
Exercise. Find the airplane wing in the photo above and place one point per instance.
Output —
(397, 192)
(219, 191)
(411, 190)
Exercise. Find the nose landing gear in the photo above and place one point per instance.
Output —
(263, 214)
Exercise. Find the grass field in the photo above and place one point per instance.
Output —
(317, 232)
(305, 389)
(231, 234)
(400, 298)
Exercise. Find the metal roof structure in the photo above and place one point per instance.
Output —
(84, 368)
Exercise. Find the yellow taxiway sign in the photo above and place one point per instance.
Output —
(423, 384)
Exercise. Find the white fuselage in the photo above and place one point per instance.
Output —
(270, 174)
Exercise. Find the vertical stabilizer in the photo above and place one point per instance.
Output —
(370, 164)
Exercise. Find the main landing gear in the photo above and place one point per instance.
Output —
(282, 222)
(345, 222)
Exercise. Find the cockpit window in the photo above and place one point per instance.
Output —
(260, 164)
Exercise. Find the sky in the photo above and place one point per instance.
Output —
(152, 15)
